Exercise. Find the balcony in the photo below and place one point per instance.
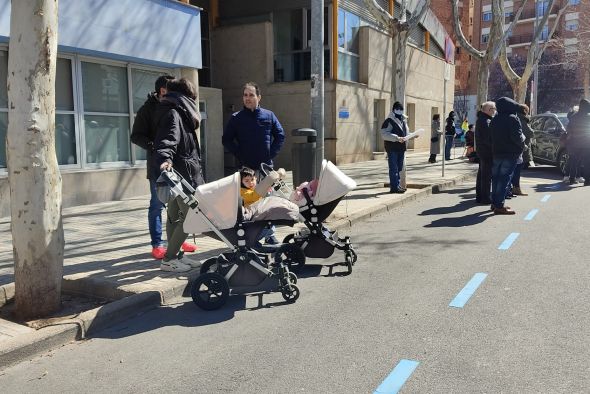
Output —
(524, 39)
(531, 14)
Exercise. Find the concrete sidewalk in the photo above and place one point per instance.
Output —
(107, 252)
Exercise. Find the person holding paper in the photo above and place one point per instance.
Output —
(394, 132)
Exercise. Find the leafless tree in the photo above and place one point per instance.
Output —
(399, 30)
(519, 83)
(497, 37)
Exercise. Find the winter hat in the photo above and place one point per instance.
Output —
(397, 105)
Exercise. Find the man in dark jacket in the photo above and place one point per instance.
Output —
(254, 134)
(143, 135)
(578, 138)
(507, 146)
(394, 132)
(483, 147)
(177, 146)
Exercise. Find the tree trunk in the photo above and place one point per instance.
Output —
(33, 172)
(483, 75)
(519, 90)
(398, 81)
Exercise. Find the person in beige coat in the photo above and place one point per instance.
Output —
(435, 135)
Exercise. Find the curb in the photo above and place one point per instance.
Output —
(128, 305)
(25, 346)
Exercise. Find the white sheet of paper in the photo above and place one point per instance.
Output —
(415, 134)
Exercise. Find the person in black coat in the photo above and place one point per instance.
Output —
(143, 135)
(394, 131)
(177, 146)
(507, 147)
(578, 139)
(483, 147)
(449, 134)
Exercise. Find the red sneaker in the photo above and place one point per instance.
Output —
(188, 247)
(158, 252)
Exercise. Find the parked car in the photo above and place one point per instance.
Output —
(549, 134)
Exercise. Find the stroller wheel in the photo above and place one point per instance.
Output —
(209, 265)
(290, 293)
(292, 278)
(349, 262)
(294, 256)
(210, 291)
(289, 239)
(353, 254)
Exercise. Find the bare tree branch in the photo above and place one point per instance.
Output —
(379, 13)
(417, 16)
(459, 32)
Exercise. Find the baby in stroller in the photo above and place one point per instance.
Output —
(316, 200)
(215, 209)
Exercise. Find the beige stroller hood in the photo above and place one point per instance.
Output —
(332, 184)
(219, 202)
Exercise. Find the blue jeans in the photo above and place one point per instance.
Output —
(502, 171)
(396, 165)
(448, 146)
(155, 216)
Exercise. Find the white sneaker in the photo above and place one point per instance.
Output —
(580, 179)
(174, 266)
(532, 164)
(191, 263)
(566, 178)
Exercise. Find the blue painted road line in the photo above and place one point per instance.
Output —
(508, 241)
(396, 379)
(531, 214)
(464, 295)
(546, 198)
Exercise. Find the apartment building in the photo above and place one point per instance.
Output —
(565, 61)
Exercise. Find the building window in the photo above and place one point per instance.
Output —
(486, 16)
(545, 33)
(485, 38)
(106, 113)
(100, 132)
(574, 2)
(542, 7)
(65, 114)
(572, 26)
(348, 45)
(292, 45)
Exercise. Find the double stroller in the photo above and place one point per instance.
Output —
(215, 209)
(316, 240)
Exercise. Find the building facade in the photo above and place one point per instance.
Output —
(269, 42)
(107, 64)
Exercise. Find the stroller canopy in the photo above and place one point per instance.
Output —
(219, 202)
(332, 184)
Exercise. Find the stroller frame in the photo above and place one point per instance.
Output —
(211, 288)
(318, 241)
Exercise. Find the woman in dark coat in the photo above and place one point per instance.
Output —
(449, 134)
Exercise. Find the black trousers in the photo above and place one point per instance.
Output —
(484, 180)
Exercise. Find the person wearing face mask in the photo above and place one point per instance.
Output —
(449, 134)
(394, 132)
(483, 147)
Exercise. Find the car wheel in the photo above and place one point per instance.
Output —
(562, 159)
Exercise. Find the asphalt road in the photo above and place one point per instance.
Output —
(525, 329)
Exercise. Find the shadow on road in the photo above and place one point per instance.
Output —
(462, 221)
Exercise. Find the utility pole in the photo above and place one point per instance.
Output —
(317, 79)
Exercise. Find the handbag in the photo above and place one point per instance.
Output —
(434, 139)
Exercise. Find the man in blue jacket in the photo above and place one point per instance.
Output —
(507, 146)
(254, 134)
